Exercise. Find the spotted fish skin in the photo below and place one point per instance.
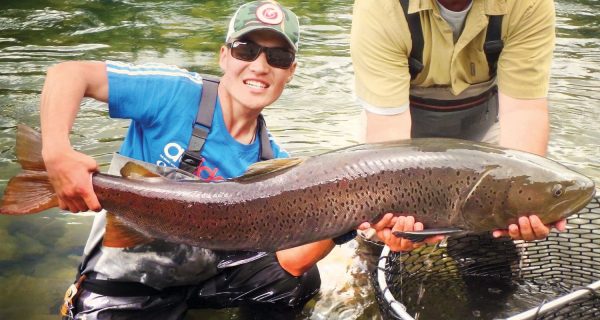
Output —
(442, 182)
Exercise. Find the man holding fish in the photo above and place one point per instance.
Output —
(469, 69)
(161, 280)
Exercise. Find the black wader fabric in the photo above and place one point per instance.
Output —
(261, 289)
(262, 281)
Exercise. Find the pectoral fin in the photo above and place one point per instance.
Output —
(121, 235)
(420, 236)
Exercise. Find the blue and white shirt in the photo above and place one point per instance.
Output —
(162, 102)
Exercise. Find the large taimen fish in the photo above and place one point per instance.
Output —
(446, 184)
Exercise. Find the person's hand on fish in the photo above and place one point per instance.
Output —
(530, 228)
(70, 173)
(390, 223)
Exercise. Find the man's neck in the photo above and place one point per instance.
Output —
(239, 121)
(455, 5)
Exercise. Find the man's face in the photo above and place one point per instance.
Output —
(254, 84)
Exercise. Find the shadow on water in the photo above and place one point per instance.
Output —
(38, 254)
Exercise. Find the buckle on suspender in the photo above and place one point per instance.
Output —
(414, 67)
(491, 47)
(66, 309)
(191, 158)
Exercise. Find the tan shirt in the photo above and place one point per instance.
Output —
(380, 43)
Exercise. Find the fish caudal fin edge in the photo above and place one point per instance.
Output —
(29, 149)
(121, 235)
(27, 193)
(30, 191)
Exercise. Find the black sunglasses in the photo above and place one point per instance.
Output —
(248, 51)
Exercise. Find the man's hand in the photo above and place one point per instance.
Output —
(530, 228)
(389, 223)
(70, 173)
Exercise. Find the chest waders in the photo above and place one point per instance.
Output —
(190, 160)
(435, 111)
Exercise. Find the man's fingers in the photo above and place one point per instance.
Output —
(91, 202)
(513, 232)
(499, 233)
(364, 226)
(561, 225)
(385, 222)
(386, 234)
(62, 204)
(434, 239)
(72, 206)
(540, 230)
(405, 224)
(419, 226)
(80, 205)
(409, 223)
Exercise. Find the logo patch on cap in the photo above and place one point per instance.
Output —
(269, 13)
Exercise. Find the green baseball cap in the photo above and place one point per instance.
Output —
(264, 15)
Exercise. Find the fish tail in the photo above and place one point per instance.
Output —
(30, 191)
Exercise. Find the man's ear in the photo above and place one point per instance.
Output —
(292, 70)
(223, 57)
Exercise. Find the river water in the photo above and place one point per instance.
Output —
(317, 113)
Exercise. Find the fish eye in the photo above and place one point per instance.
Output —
(557, 190)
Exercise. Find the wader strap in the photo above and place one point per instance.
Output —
(492, 46)
(415, 60)
(118, 288)
(191, 158)
(493, 43)
(266, 152)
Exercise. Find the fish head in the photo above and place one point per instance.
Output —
(547, 189)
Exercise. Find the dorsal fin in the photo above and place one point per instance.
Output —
(269, 167)
(133, 170)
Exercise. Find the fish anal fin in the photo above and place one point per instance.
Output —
(28, 192)
(133, 170)
(121, 235)
(420, 236)
(270, 166)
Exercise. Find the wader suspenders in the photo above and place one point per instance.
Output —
(415, 60)
(191, 158)
(492, 46)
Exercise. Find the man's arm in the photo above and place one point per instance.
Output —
(380, 128)
(298, 260)
(524, 124)
(70, 171)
